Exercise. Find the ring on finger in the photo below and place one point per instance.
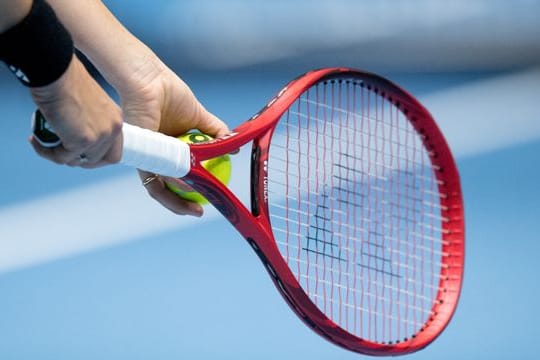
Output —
(83, 159)
(149, 179)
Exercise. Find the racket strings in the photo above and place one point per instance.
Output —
(418, 176)
(375, 151)
(387, 286)
(355, 209)
(353, 114)
(371, 312)
(350, 250)
(438, 241)
(357, 132)
(384, 202)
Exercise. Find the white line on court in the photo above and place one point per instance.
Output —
(476, 118)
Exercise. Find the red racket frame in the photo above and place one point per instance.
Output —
(255, 227)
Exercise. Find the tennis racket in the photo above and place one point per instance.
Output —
(356, 207)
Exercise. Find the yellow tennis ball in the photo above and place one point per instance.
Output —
(220, 167)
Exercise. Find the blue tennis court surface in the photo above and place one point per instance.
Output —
(90, 268)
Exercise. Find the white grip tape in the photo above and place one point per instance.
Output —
(155, 152)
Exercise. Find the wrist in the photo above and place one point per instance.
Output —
(119, 56)
(136, 64)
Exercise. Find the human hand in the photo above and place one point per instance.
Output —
(152, 95)
(85, 118)
(156, 98)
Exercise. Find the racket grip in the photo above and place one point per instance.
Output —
(142, 148)
(154, 152)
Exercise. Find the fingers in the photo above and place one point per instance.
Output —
(215, 126)
(212, 125)
(178, 183)
(84, 117)
(155, 185)
(56, 154)
(208, 123)
(101, 153)
(59, 154)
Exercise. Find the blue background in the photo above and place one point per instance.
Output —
(197, 291)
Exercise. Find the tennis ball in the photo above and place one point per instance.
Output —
(220, 167)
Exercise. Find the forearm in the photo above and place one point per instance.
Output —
(118, 55)
(12, 12)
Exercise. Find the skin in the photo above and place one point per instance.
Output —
(85, 118)
(13, 12)
(152, 96)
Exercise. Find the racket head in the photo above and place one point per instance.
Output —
(356, 210)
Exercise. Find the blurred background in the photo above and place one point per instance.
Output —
(91, 268)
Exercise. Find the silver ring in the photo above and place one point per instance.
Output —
(149, 179)
(83, 159)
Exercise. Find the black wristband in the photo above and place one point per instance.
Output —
(39, 49)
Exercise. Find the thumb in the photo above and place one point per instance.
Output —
(210, 124)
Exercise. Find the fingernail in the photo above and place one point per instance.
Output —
(198, 211)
